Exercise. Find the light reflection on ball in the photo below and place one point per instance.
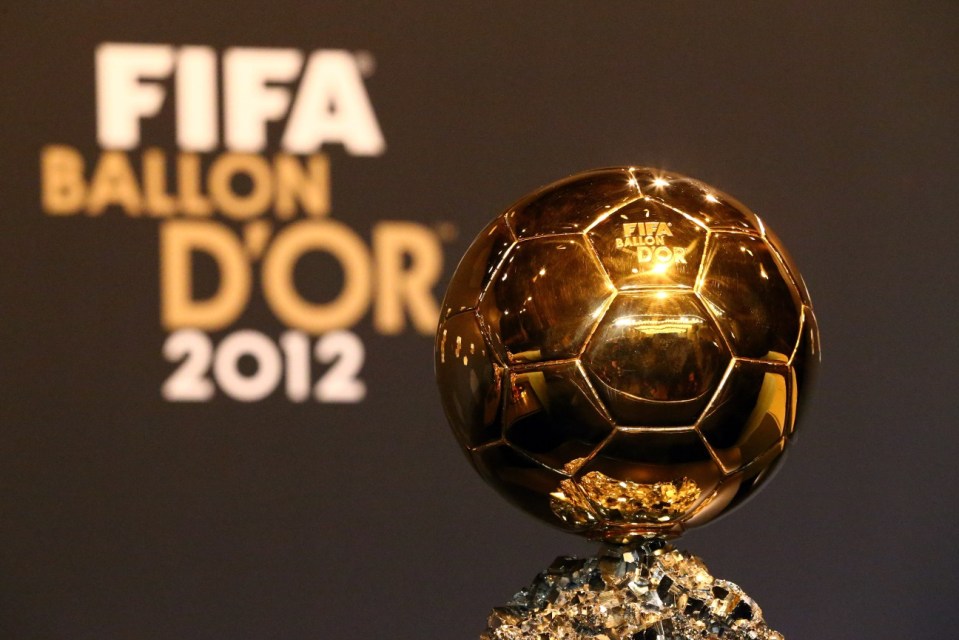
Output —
(621, 353)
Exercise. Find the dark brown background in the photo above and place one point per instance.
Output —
(125, 517)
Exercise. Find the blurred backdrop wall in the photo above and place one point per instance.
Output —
(225, 229)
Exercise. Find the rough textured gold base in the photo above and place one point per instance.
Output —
(644, 591)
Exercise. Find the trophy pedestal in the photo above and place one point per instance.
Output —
(644, 591)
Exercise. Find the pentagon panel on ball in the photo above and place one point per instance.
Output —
(622, 353)
(647, 244)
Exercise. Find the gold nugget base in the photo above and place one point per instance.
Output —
(645, 591)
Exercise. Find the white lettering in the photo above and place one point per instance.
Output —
(122, 99)
(196, 99)
(332, 106)
(250, 103)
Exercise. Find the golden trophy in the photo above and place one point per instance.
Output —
(622, 354)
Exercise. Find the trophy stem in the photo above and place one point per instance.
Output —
(644, 590)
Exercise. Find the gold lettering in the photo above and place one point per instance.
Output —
(311, 187)
(412, 286)
(231, 203)
(158, 202)
(114, 183)
(189, 186)
(256, 234)
(62, 187)
(178, 308)
(279, 288)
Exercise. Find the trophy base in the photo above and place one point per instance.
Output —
(644, 591)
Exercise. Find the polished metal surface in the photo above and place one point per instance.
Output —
(623, 353)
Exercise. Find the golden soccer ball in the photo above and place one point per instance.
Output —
(622, 353)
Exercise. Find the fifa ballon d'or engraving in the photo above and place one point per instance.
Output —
(622, 354)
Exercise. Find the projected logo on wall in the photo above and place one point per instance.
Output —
(253, 214)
